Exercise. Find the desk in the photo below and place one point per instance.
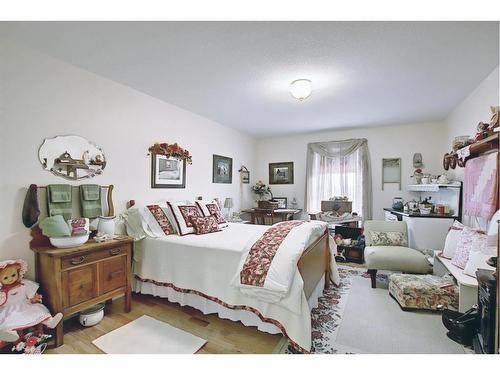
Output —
(282, 214)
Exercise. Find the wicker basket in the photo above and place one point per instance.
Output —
(268, 205)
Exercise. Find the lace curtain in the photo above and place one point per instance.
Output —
(339, 168)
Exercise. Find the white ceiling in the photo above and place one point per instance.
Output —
(237, 73)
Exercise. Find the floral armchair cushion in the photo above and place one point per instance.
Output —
(387, 238)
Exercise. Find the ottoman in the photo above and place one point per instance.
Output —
(425, 292)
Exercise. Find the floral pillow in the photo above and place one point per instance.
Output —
(450, 244)
(212, 209)
(161, 220)
(204, 225)
(183, 213)
(469, 239)
(387, 238)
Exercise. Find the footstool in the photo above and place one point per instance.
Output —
(425, 292)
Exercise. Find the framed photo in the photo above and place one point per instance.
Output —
(281, 173)
(282, 202)
(391, 171)
(222, 170)
(167, 172)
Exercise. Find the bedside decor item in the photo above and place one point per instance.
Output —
(391, 171)
(71, 157)
(222, 169)
(282, 202)
(244, 175)
(281, 173)
(106, 225)
(228, 203)
(294, 202)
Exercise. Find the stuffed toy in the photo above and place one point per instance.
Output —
(20, 305)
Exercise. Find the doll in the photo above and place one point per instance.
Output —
(20, 305)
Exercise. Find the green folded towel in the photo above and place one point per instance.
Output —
(90, 199)
(59, 200)
(55, 226)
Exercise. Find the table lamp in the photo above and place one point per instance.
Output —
(228, 203)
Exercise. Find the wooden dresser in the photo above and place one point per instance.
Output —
(72, 280)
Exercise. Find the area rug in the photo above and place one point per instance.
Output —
(353, 318)
(146, 335)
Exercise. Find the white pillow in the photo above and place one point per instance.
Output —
(450, 245)
(477, 259)
(135, 224)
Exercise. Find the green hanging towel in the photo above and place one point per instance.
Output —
(59, 200)
(90, 198)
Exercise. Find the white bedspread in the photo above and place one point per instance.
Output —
(206, 265)
(283, 266)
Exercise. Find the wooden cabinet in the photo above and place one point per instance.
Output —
(72, 280)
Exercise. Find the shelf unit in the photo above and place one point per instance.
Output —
(432, 187)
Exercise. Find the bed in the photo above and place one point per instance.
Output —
(198, 271)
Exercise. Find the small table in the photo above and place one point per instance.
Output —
(283, 214)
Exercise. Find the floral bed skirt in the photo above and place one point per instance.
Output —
(422, 292)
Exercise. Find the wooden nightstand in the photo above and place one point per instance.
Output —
(75, 279)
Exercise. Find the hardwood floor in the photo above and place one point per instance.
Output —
(223, 336)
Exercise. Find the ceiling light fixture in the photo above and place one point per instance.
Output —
(301, 89)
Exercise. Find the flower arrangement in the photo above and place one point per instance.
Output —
(172, 151)
(261, 189)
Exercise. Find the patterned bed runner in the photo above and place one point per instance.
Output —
(261, 254)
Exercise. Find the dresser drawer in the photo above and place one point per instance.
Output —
(112, 274)
(85, 258)
(80, 284)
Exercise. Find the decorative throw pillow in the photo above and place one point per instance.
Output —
(212, 209)
(160, 220)
(387, 238)
(204, 225)
(469, 238)
(183, 213)
(451, 242)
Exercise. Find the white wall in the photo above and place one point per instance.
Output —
(383, 142)
(42, 97)
(474, 108)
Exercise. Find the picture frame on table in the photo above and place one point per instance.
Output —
(167, 172)
(281, 173)
(282, 202)
(222, 169)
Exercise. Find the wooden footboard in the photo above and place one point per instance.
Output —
(314, 264)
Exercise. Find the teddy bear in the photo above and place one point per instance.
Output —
(20, 305)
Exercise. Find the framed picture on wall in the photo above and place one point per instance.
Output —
(222, 170)
(281, 173)
(167, 172)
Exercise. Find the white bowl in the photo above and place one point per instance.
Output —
(70, 241)
(92, 316)
(425, 211)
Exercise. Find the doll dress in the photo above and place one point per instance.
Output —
(18, 312)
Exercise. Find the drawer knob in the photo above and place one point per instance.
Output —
(115, 251)
(79, 260)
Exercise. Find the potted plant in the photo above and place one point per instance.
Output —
(262, 190)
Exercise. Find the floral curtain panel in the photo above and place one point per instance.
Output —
(339, 168)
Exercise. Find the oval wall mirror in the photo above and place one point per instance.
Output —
(71, 157)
